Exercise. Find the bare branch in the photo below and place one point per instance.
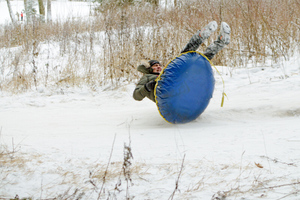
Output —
(106, 170)
(176, 185)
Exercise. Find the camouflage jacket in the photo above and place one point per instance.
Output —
(140, 91)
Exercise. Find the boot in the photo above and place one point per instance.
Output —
(220, 43)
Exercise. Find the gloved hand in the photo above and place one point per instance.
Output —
(150, 85)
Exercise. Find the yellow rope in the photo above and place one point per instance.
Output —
(223, 93)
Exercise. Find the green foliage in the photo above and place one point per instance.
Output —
(115, 2)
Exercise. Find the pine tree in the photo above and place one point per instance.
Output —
(30, 10)
(49, 15)
(25, 7)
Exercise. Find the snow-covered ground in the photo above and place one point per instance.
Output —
(62, 142)
(249, 148)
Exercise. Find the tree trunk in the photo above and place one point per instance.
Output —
(49, 15)
(154, 2)
(11, 12)
(42, 9)
(26, 8)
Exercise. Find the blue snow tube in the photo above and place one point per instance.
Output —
(184, 88)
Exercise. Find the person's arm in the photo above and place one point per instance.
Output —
(140, 92)
(145, 88)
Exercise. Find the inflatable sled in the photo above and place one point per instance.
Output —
(184, 88)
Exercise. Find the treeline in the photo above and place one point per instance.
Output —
(105, 48)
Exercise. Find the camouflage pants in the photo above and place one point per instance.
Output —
(210, 51)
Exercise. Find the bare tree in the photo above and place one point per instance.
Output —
(25, 6)
(41, 10)
(154, 2)
(11, 12)
(49, 15)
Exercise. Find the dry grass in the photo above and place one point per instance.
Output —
(104, 49)
(12, 161)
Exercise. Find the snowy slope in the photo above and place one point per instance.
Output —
(252, 144)
(60, 143)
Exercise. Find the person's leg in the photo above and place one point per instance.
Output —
(220, 43)
(201, 35)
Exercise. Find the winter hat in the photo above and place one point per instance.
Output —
(153, 62)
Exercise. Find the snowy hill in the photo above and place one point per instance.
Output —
(74, 143)
(247, 149)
